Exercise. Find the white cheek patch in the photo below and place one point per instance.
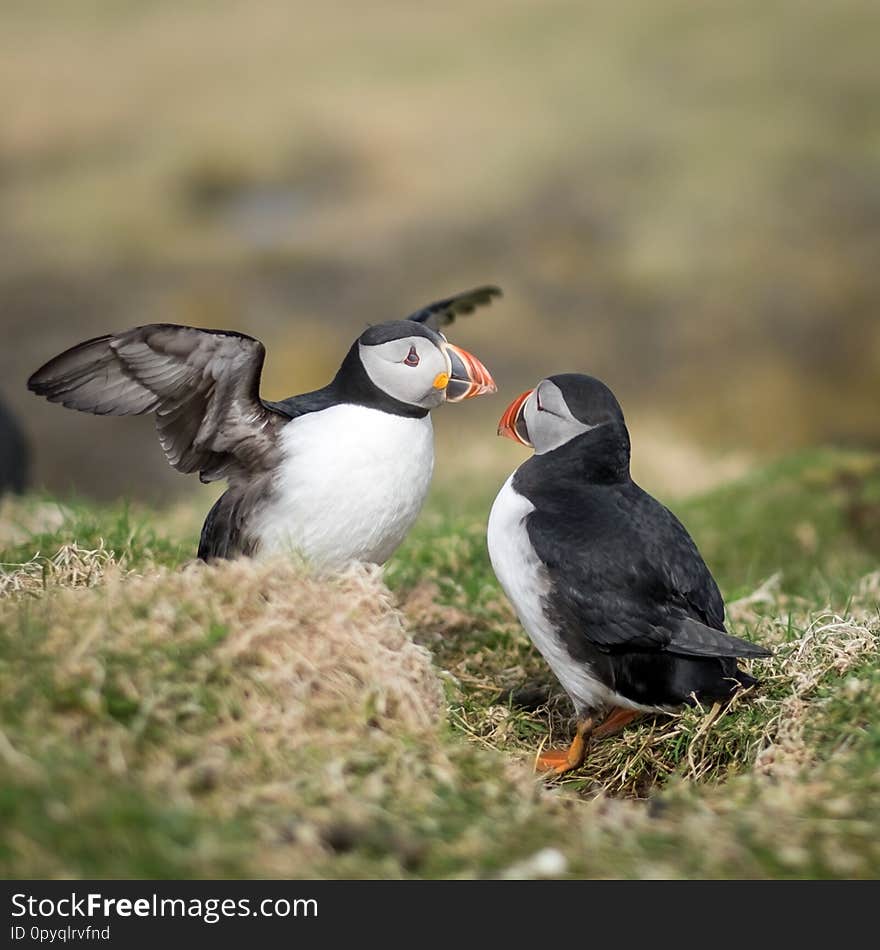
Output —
(555, 425)
(414, 385)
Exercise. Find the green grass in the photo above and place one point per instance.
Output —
(131, 534)
(145, 731)
(108, 828)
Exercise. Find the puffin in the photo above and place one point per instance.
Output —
(335, 476)
(606, 581)
(14, 454)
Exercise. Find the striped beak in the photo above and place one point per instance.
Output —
(513, 423)
(467, 376)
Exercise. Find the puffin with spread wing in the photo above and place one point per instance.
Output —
(607, 582)
(337, 475)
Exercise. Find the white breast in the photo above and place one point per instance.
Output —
(350, 487)
(524, 579)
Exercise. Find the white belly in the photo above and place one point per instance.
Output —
(351, 485)
(524, 579)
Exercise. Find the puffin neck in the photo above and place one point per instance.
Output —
(600, 455)
(352, 385)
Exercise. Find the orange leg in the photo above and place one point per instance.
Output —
(560, 761)
(615, 721)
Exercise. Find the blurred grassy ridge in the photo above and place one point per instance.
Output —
(681, 198)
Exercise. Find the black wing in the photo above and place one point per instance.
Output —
(442, 312)
(626, 576)
(203, 385)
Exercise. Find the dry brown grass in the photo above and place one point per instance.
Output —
(71, 566)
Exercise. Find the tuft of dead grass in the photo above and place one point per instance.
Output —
(70, 567)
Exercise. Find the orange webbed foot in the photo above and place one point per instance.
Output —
(552, 760)
(560, 761)
(615, 721)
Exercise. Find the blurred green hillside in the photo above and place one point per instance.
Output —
(682, 198)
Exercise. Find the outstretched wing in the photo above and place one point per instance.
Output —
(442, 312)
(203, 386)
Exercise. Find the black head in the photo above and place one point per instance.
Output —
(575, 419)
(588, 399)
(407, 368)
(560, 408)
(394, 330)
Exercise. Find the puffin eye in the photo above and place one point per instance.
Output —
(412, 358)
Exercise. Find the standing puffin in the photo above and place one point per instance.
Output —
(336, 475)
(607, 582)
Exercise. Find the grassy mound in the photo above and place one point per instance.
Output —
(165, 719)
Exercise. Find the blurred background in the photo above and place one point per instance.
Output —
(682, 198)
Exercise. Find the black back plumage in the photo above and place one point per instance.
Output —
(629, 592)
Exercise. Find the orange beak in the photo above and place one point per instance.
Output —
(468, 377)
(512, 424)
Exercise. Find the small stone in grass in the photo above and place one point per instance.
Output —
(548, 862)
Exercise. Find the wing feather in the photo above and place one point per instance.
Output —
(692, 638)
(443, 312)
